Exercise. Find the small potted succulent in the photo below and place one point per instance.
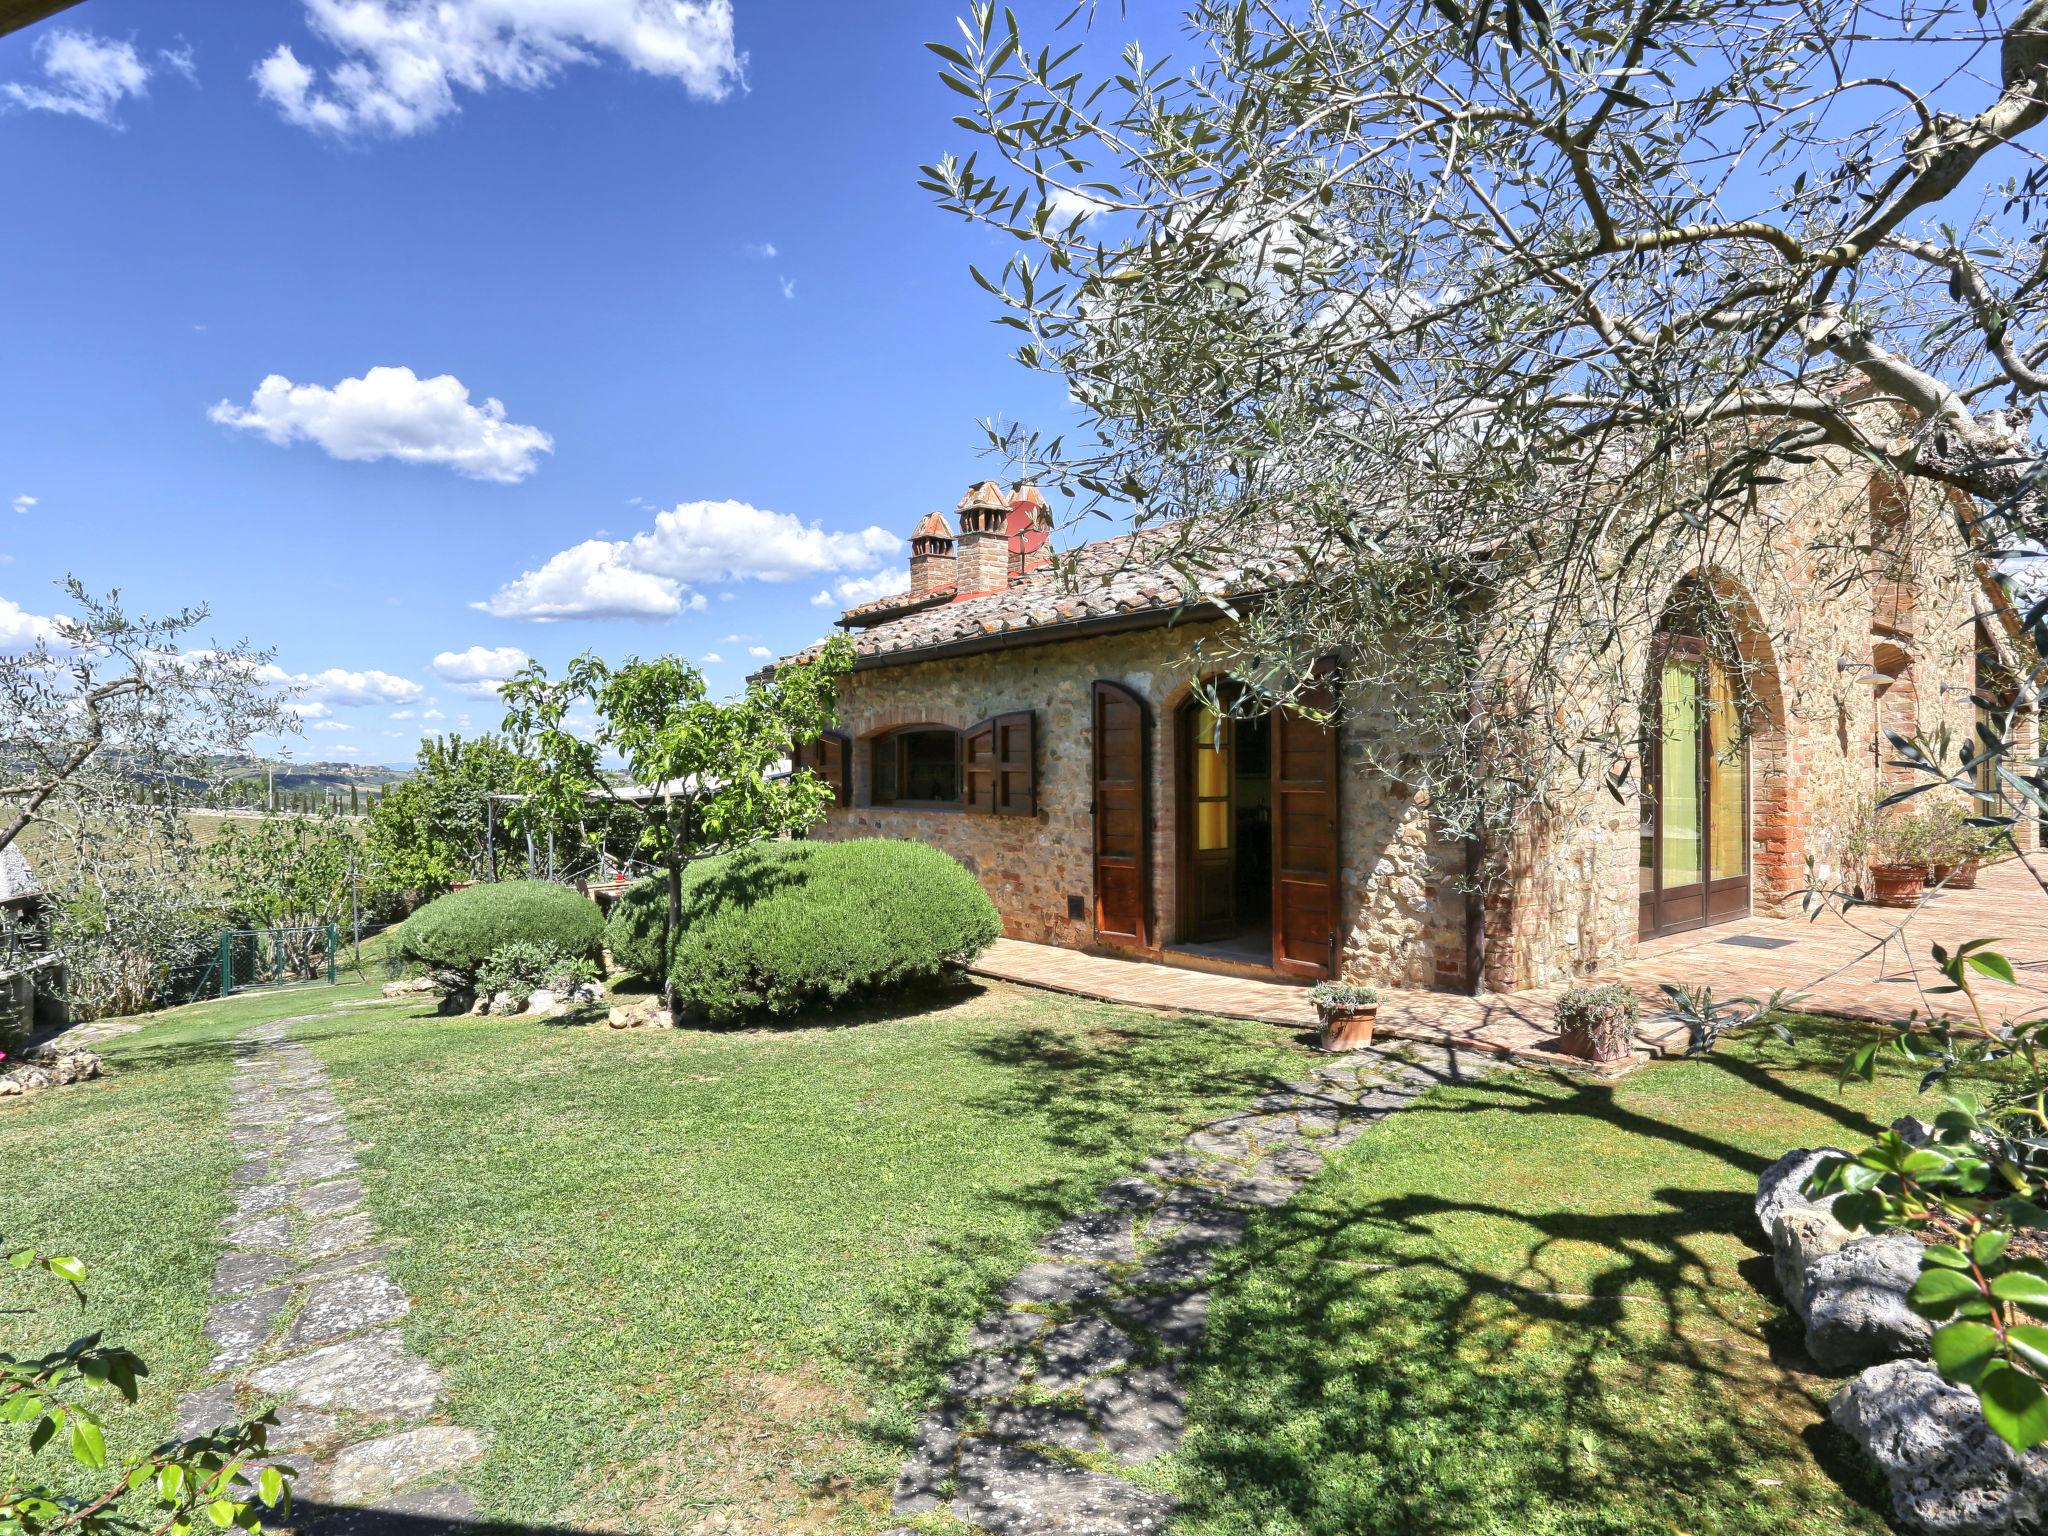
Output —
(1598, 1023)
(1348, 1011)
(1894, 847)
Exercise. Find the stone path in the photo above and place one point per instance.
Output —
(1838, 961)
(305, 1315)
(1079, 1377)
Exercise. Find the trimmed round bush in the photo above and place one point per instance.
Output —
(459, 931)
(780, 927)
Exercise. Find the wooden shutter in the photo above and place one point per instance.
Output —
(835, 766)
(1304, 843)
(979, 768)
(1123, 822)
(828, 757)
(1016, 792)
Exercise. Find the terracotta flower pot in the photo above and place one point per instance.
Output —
(1938, 873)
(1897, 885)
(1579, 1040)
(1348, 1029)
(1965, 877)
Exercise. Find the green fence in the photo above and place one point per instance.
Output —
(276, 957)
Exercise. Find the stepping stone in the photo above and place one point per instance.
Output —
(204, 1411)
(240, 1327)
(1131, 1194)
(297, 1428)
(920, 1485)
(348, 1304)
(1193, 1216)
(258, 1198)
(237, 1273)
(333, 1237)
(251, 1170)
(1074, 1352)
(1056, 1284)
(1006, 1330)
(318, 1165)
(1175, 1266)
(334, 1199)
(413, 1513)
(1041, 1425)
(375, 1375)
(262, 1232)
(1016, 1491)
(305, 1135)
(1140, 1412)
(984, 1377)
(341, 1264)
(373, 1469)
(1176, 1321)
(1103, 1237)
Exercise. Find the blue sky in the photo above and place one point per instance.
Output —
(716, 310)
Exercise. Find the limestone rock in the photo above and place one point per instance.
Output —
(504, 1004)
(1798, 1237)
(372, 1469)
(411, 986)
(1011, 1490)
(1854, 1303)
(1783, 1184)
(1949, 1474)
(643, 1015)
(542, 1001)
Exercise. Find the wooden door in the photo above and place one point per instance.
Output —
(1304, 845)
(1209, 907)
(1123, 821)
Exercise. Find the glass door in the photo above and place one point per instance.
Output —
(1695, 823)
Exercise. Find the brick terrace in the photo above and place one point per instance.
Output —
(1857, 967)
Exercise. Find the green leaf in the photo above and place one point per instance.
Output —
(1962, 1350)
(88, 1445)
(1995, 965)
(221, 1512)
(170, 1482)
(1989, 1247)
(2021, 1288)
(1937, 1287)
(270, 1485)
(1946, 1256)
(2030, 1342)
(65, 1268)
(2014, 1404)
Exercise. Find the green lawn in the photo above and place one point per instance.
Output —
(706, 1280)
(1535, 1306)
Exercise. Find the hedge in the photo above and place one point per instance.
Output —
(780, 927)
(458, 932)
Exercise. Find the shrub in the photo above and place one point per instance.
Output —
(1344, 994)
(462, 930)
(523, 968)
(779, 927)
(1598, 1022)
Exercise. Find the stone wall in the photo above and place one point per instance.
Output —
(1403, 915)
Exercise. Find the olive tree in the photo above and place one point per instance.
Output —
(704, 772)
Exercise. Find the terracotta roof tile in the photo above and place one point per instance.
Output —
(1110, 579)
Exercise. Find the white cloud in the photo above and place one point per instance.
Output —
(821, 599)
(403, 714)
(338, 685)
(84, 76)
(712, 658)
(759, 652)
(23, 503)
(329, 725)
(654, 574)
(432, 714)
(856, 590)
(1068, 206)
(181, 61)
(19, 631)
(400, 61)
(389, 413)
(788, 287)
(765, 251)
(479, 670)
(591, 580)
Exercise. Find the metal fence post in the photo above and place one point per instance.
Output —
(330, 954)
(227, 963)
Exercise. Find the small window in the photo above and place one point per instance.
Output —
(920, 766)
(1001, 775)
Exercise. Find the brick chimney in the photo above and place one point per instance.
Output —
(931, 556)
(983, 561)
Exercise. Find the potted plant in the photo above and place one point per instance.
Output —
(1980, 844)
(1893, 845)
(1946, 839)
(1348, 1011)
(1598, 1022)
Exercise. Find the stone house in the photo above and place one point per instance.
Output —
(1040, 722)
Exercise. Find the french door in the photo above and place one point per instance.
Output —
(1695, 810)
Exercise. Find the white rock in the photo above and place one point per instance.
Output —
(542, 1001)
(1948, 1472)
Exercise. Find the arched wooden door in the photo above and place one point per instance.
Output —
(1304, 845)
(1695, 821)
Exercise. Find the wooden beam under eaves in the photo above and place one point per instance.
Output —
(16, 14)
